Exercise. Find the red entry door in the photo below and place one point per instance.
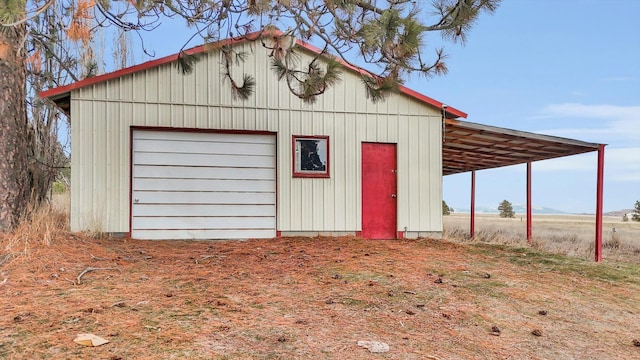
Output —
(379, 201)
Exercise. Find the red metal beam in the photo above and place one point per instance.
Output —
(472, 212)
(599, 191)
(529, 212)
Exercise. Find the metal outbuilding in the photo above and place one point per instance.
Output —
(158, 154)
(162, 155)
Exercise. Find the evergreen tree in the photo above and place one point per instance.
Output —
(446, 210)
(636, 212)
(506, 209)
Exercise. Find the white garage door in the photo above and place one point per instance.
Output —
(193, 185)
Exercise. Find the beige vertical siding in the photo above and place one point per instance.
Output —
(102, 115)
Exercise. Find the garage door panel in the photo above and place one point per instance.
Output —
(194, 222)
(190, 197)
(191, 147)
(241, 161)
(203, 136)
(205, 234)
(205, 185)
(204, 210)
(191, 172)
(190, 185)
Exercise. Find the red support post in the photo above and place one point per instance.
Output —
(529, 212)
(599, 192)
(472, 214)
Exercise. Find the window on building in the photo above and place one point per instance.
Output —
(311, 156)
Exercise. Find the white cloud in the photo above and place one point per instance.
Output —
(610, 124)
(620, 164)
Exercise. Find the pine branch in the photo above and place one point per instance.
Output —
(186, 62)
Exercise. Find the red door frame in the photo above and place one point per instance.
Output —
(379, 189)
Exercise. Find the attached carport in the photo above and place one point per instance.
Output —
(468, 147)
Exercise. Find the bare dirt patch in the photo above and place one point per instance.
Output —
(313, 298)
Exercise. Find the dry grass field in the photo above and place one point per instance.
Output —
(309, 298)
(572, 235)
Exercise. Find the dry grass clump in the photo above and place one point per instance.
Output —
(41, 226)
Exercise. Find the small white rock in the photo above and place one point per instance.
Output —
(374, 346)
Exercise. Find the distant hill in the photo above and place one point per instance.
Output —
(518, 209)
(618, 212)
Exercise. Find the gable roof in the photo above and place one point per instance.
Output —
(61, 95)
(466, 146)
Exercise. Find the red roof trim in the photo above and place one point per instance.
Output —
(403, 89)
(116, 74)
(62, 90)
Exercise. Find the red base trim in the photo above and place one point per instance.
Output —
(400, 234)
(278, 233)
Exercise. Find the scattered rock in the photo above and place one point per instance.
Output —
(374, 346)
(636, 342)
(329, 301)
(90, 340)
(495, 330)
(438, 281)
(391, 293)
(486, 276)
(542, 312)
(537, 332)
(336, 276)
(410, 312)
(446, 316)
(282, 339)
(410, 292)
(419, 305)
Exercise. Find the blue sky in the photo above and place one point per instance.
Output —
(568, 68)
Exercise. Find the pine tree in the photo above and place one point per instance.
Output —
(506, 209)
(636, 212)
(446, 210)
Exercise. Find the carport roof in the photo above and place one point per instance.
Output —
(469, 146)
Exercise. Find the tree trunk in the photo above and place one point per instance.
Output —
(13, 128)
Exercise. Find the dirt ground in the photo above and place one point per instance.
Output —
(313, 298)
